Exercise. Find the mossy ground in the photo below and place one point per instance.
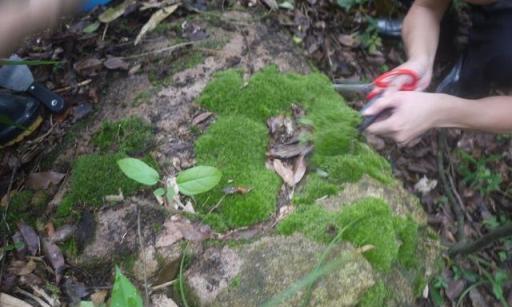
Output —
(97, 175)
(237, 142)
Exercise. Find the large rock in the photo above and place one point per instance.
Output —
(254, 274)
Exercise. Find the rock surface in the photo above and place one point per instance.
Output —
(254, 274)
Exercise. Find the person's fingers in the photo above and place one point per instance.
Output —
(384, 127)
(380, 104)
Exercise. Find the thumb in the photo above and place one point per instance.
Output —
(378, 105)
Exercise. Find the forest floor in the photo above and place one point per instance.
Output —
(464, 182)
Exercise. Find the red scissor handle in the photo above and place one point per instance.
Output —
(384, 81)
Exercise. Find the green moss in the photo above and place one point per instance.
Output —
(407, 231)
(28, 207)
(130, 135)
(366, 222)
(95, 176)
(70, 248)
(240, 154)
(235, 282)
(370, 222)
(237, 142)
(376, 296)
(315, 222)
(315, 187)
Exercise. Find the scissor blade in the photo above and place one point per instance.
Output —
(350, 88)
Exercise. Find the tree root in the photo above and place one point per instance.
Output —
(464, 248)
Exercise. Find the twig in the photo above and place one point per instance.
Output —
(217, 204)
(464, 248)
(4, 217)
(446, 186)
(169, 48)
(35, 298)
(139, 234)
(164, 285)
(104, 32)
(67, 88)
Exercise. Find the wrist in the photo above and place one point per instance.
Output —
(450, 111)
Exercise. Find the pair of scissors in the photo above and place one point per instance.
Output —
(377, 88)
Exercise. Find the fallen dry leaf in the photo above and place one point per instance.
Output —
(348, 40)
(272, 4)
(154, 20)
(99, 297)
(62, 234)
(425, 185)
(86, 65)
(30, 237)
(54, 256)
(28, 268)
(10, 301)
(284, 172)
(201, 118)
(236, 190)
(116, 63)
(289, 151)
(115, 12)
(300, 170)
(43, 180)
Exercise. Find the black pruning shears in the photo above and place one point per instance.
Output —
(376, 89)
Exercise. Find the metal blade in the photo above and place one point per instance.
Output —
(16, 77)
(350, 88)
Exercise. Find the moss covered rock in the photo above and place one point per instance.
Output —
(348, 202)
(279, 270)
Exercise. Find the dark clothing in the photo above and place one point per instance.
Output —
(488, 56)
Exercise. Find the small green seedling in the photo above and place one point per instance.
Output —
(190, 182)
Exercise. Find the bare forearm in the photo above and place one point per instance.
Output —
(421, 29)
(491, 114)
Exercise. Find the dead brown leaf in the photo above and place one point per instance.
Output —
(348, 40)
(43, 180)
(99, 297)
(201, 118)
(62, 233)
(154, 20)
(194, 232)
(289, 151)
(54, 256)
(87, 65)
(10, 301)
(28, 268)
(286, 173)
(30, 237)
(116, 63)
(300, 169)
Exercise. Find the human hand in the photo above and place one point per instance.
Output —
(422, 69)
(413, 113)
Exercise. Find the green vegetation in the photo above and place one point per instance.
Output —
(237, 142)
(396, 240)
(190, 59)
(95, 176)
(26, 206)
(478, 175)
(376, 296)
(131, 135)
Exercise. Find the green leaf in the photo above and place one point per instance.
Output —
(170, 194)
(28, 62)
(159, 192)
(139, 171)
(86, 304)
(198, 179)
(124, 293)
(92, 27)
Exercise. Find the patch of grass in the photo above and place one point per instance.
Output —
(235, 282)
(144, 96)
(236, 143)
(130, 135)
